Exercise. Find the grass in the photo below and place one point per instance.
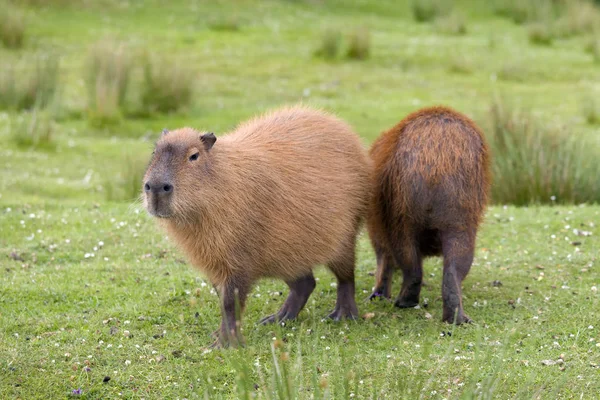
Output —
(126, 185)
(578, 17)
(521, 12)
(32, 82)
(109, 69)
(83, 300)
(331, 41)
(590, 110)
(537, 163)
(13, 26)
(81, 264)
(359, 44)
(540, 33)
(453, 24)
(168, 85)
(460, 65)
(34, 130)
(513, 71)
(593, 47)
(429, 10)
(227, 23)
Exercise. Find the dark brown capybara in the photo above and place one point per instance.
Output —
(281, 194)
(432, 182)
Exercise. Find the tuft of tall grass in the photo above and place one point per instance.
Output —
(460, 65)
(523, 11)
(453, 24)
(109, 69)
(593, 48)
(540, 33)
(33, 82)
(534, 163)
(577, 17)
(168, 86)
(590, 110)
(33, 129)
(329, 48)
(429, 10)
(126, 185)
(512, 71)
(13, 26)
(228, 23)
(359, 44)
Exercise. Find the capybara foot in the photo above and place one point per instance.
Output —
(461, 318)
(379, 293)
(407, 301)
(224, 339)
(224, 343)
(279, 317)
(344, 312)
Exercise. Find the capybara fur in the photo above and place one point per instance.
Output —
(279, 195)
(432, 181)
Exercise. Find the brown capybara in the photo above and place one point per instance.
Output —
(281, 194)
(432, 182)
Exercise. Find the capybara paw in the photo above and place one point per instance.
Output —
(340, 314)
(224, 340)
(406, 302)
(281, 316)
(222, 343)
(379, 294)
(460, 319)
(269, 319)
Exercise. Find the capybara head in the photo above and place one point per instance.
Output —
(177, 171)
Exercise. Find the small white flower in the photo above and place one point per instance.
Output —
(127, 362)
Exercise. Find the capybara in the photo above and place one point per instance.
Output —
(432, 181)
(279, 195)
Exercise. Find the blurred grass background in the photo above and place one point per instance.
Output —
(91, 289)
(109, 75)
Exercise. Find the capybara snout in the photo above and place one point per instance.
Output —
(171, 176)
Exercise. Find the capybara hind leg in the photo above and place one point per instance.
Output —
(383, 276)
(300, 291)
(458, 249)
(411, 263)
(343, 269)
(233, 298)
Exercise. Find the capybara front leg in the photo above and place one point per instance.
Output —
(383, 276)
(458, 249)
(300, 290)
(233, 298)
(411, 262)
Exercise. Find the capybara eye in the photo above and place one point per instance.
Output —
(194, 156)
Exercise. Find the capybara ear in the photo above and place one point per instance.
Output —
(164, 132)
(209, 140)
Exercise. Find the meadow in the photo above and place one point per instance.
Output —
(95, 302)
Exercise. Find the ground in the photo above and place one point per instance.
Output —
(92, 291)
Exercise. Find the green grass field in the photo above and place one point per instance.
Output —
(90, 288)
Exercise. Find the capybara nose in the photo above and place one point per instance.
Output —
(158, 187)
